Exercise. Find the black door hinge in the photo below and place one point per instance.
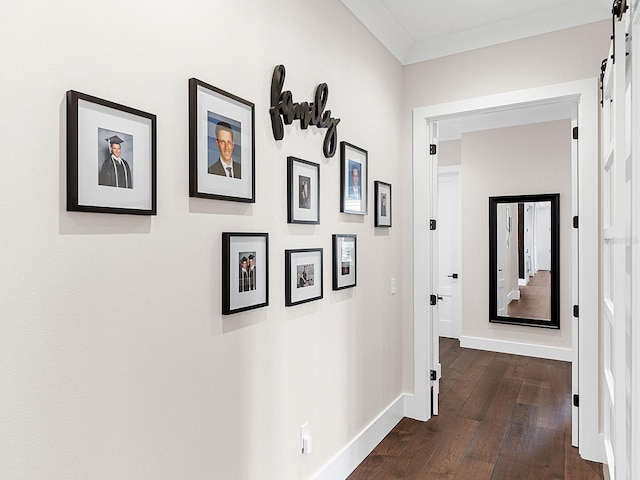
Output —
(576, 400)
(432, 149)
(433, 300)
(575, 133)
(432, 224)
(433, 375)
(575, 221)
(576, 311)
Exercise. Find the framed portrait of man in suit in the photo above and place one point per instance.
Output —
(221, 144)
(353, 179)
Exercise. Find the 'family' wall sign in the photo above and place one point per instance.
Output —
(283, 108)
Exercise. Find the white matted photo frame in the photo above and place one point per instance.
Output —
(382, 204)
(221, 144)
(303, 275)
(111, 157)
(344, 261)
(245, 271)
(353, 179)
(303, 191)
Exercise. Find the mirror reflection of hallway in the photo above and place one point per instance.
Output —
(524, 281)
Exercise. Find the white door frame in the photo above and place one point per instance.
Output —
(584, 94)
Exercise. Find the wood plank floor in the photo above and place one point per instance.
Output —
(502, 417)
(535, 298)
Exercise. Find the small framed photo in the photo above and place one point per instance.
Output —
(303, 191)
(353, 179)
(221, 144)
(111, 157)
(383, 204)
(344, 261)
(245, 271)
(302, 275)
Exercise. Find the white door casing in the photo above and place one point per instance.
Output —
(583, 96)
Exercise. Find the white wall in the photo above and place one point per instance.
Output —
(557, 57)
(116, 361)
(528, 159)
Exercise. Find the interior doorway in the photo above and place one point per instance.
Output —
(581, 99)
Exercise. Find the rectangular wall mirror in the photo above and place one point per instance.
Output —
(524, 248)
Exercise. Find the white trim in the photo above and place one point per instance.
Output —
(584, 95)
(516, 348)
(346, 461)
(513, 295)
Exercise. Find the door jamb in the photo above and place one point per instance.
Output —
(584, 93)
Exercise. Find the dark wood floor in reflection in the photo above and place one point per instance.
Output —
(535, 298)
(502, 417)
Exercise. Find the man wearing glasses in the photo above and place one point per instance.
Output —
(225, 165)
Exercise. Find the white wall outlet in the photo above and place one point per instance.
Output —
(305, 439)
(393, 286)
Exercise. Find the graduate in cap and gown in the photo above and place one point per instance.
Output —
(115, 171)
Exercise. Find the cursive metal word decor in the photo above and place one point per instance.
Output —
(283, 109)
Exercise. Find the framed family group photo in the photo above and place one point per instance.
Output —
(344, 261)
(303, 275)
(303, 191)
(382, 204)
(221, 144)
(111, 157)
(245, 271)
(353, 179)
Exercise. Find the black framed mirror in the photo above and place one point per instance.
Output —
(524, 260)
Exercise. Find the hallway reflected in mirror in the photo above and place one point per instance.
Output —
(524, 260)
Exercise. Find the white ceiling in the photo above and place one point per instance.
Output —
(418, 30)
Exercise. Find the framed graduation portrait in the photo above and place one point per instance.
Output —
(382, 204)
(353, 179)
(245, 271)
(221, 144)
(303, 191)
(303, 275)
(344, 261)
(111, 157)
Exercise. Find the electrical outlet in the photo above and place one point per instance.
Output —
(305, 439)
(393, 286)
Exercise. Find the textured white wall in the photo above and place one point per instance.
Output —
(115, 360)
(557, 57)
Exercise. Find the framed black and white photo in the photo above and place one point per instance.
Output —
(302, 275)
(111, 157)
(221, 144)
(245, 271)
(344, 261)
(353, 179)
(303, 191)
(382, 204)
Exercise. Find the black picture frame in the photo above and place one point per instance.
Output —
(239, 291)
(303, 273)
(111, 157)
(212, 113)
(383, 204)
(500, 223)
(344, 262)
(303, 191)
(353, 169)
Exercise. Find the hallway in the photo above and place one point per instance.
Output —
(502, 417)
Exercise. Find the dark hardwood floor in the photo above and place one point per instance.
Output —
(535, 298)
(502, 417)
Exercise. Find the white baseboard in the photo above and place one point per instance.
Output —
(514, 295)
(445, 328)
(517, 348)
(345, 462)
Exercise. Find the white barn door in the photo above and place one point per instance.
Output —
(615, 178)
